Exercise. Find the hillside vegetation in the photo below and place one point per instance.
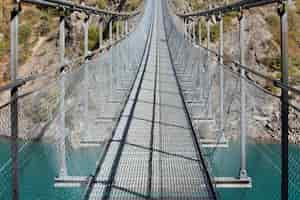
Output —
(262, 53)
(268, 23)
(38, 27)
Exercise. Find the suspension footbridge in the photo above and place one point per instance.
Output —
(155, 102)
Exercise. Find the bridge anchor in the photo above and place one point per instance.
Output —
(70, 181)
(232, 182)
(89, 143)
(214, 143)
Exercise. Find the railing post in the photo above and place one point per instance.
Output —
(283, 12)
(243, 171)
(86, 97)
(62, 40)
(184, 28)
(221, 50)
(194, 33)
(62, 145)
(208, 40)
(86, 36)
(14, 21)
(110, 32)
(126, 27)
(190, 32)
(112, 59)
(63, 165)
(100, 34)
(187, 30)
(209, 103)
(86, 78)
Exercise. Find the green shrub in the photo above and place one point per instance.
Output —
(132, 5)
(24, 33)
(203, 30)
(101, 4)
(272, 62)
(3, 47)
(274, 24)
(298, 6)
(227, 20)
(196, 5)
(214, 31)
(272, 20)
(93, 37)
(44, 27)
(294, 70)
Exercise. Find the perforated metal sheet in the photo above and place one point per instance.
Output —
(158, 158)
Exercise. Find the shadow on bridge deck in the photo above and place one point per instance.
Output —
(153, 153)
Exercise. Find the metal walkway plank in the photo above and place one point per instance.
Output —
(158, 159)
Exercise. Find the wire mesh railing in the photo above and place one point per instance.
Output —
(201, 72)
(65, 117)
(188, 70)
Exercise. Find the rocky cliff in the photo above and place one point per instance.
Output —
(262, 55)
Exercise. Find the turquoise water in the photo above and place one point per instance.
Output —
(263, 165)
(39, 166)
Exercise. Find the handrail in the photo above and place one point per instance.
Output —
(238, 6)
(79, 60)
(276, 82)
(68, 5)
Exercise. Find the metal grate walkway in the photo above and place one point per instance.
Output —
(153, 154)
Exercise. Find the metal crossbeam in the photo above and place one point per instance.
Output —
(245, 4)
(68, 5)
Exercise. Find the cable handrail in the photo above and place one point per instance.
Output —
(276, 82)
(238, 6)
(68, 5)
(79, 60)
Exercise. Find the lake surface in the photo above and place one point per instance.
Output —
(263, 166)
(39, 166)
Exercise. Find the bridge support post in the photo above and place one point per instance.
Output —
(190, 32)
(209, 103)
(100, 34)
(86, 36)
(243, 170)
(221, 50)
(112, 59)
(110, 32)
(187, 30)
(86, 77)
(184, 28)
(283, 12)
(194, 33)
(62, 40)
(62, 146)
(14, 22)
(126, 26)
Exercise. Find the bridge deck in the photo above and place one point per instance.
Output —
(153, 154)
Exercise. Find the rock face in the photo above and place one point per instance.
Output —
(263, 109)
(260, 44)
(38, 112)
